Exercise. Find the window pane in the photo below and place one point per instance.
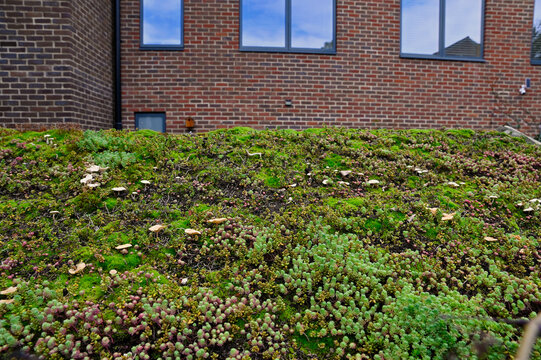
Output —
(463, 27)
(420, 26)
(162, 23)
(154, 122)
(536, 50)
(264, 23)
(312, 24)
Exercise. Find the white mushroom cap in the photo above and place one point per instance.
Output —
(217, 221)
(192, 232)
(157, 228)
(119, 189)
(93, 168)
(124, 246)
(373, 182)
(78, 268)
(448, 217)
(10, 290)
(86, 179)
(146, 182)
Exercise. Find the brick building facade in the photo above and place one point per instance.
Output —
(365, 82)
(56, 63)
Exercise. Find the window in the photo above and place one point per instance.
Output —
(442, 29)
(161, 24)
(303, 26)
(151, 121)
(536, 33)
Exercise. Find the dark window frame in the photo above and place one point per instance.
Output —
(160, 115)
(287, 48)
(533, 60)
(143, 46)
(441, 38)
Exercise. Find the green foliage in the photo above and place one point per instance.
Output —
(307, 260)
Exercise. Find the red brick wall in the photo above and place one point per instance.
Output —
(366, 84)
(47, 77)
(93, 64)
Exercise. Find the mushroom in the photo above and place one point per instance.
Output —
(490, 239)
(145, 182)
(78, 268)
(343, 183)
(192, 232)
(9, 301)
(217, 221)
(433, 211)
(453, 184)
(124, 246)
(119, 189)
(93, 169)
(10, 290)
(293, 185)
(86, 179)
(448, 217)
(530, 209)
(326, 182)
(92, 186)
(373, 182)
(157, 228)
(345, 172)
(53, 212)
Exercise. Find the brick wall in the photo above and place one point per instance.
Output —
(93, 63)
(366, 84)
(47, 77)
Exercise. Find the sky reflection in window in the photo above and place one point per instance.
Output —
(162, 22)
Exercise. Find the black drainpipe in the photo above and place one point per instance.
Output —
(118, 85)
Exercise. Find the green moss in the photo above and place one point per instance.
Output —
(110, 203)
(121, 262)
(268, 179)
(315, 131)
(335, 161)
(84, 254)
(465, 133)
(180, 224)
(373, 225)
(90, 284)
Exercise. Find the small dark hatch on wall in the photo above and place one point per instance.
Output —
(151, 121)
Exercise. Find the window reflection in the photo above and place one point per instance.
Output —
(312, 24)
(420, 26)
(151, 121)
(536, 46)
(442, 28)
(463, 27)
(162, 22)
(263, 23)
